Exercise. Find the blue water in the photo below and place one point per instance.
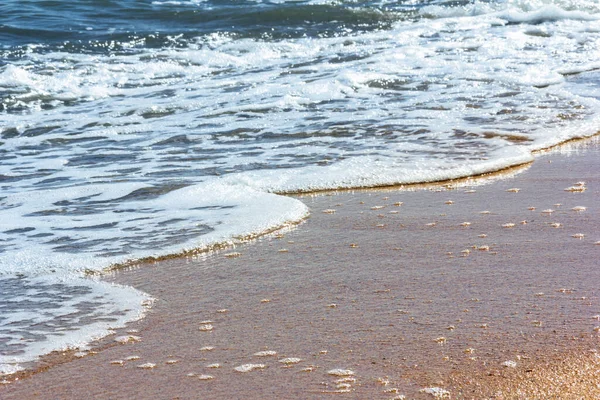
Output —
(133, 129)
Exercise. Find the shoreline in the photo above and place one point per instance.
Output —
(478, 179)
(369, 286)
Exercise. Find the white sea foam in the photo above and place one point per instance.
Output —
(196, 216)
(149, 151)
(48, 313)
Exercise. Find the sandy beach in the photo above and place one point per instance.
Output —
(484, 288)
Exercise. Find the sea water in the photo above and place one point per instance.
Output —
(133, 129)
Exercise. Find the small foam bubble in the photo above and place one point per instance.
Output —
(148, 365)
(436, 392)
(127, 339)
(290, 360)
(249, 367)
(265, 353)
(340, 372)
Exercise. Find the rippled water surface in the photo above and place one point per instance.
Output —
(135, 129)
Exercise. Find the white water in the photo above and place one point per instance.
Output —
(148, 152)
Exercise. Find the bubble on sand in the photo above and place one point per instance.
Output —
(343, 386)
(80, 354)
(531, 208)
(266, 353)
(214, 365)
(340, 372)
(398, 203)
(307, 369)
(513, 190)
(127, 339)
(508, 225)
(484, 212)
(147, 365)
(431, 224)
(465, 224)
(329, 211)
(440, 340)
(207, 348)
(265, 301)
(290, 360)
(579, 208)
(282, 250)
(206, 328)
(548, 211)
(171, 362)
(509, 364)
(436, 392)
(555, 225)
(249, 367)
(377, 207)
(234, 254)
(222, 311)
(132, 358)
(578, 236)
(575, 189)
(205, 377)
(117, 362)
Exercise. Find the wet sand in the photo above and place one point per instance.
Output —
(474, 289)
